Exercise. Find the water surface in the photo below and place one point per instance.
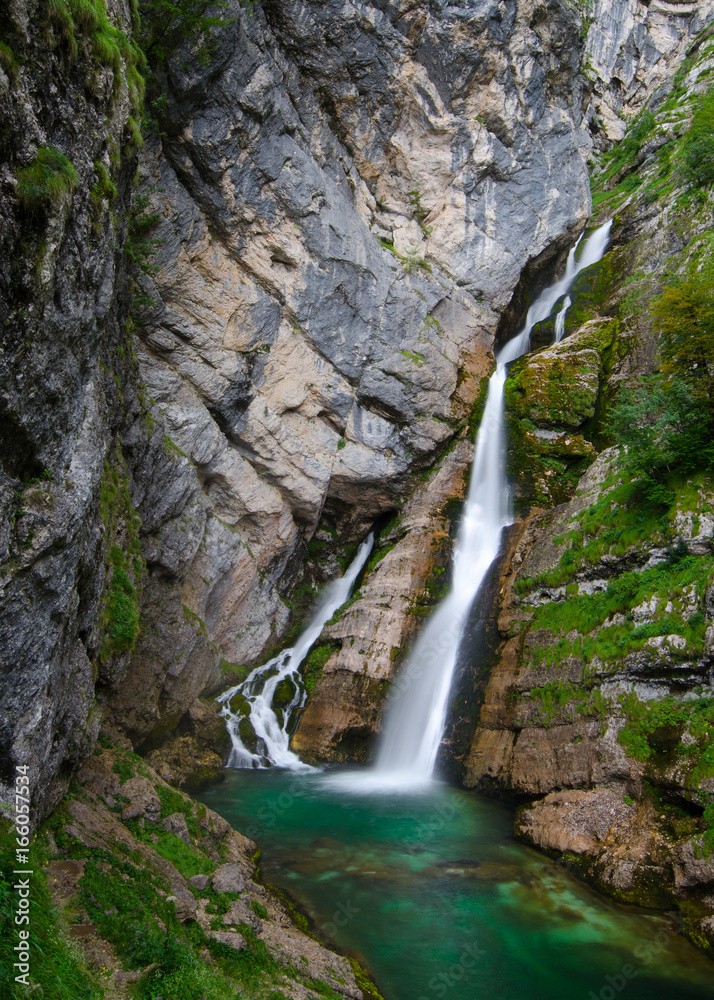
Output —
(439, 899)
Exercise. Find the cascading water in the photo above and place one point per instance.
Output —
(560, 319)
(416, 712)
(257, 692)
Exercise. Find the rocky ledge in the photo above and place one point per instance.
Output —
(153, 889)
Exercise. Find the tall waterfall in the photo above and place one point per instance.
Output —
(416, 712)
(256, 694)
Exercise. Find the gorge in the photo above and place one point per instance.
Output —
(258, 265)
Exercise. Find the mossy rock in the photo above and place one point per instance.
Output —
(239, 705)
(556, 387)
(284, 693)
(247, 735)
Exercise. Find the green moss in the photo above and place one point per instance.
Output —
(415, 357)
(314, 663)
(120, 615)
(8, 61)
(46, 182)
(104, 190)
(122, 610)
(671, 730)
(557, 695)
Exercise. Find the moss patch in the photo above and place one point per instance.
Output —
(46, 182)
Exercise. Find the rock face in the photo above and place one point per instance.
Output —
(341, 219)
(65, 156)
(338, 211)
(630, 51)
(596, 709)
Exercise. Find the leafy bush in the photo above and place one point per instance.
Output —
(699, 146)
(667, 420)
(48, 179)
(684, 317)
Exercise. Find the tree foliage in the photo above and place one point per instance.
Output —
(699, 145)
(166, 24)
(666, 421)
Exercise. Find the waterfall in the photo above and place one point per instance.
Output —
(541, 309)
(560, 320)
(416, 710)
(257, 692)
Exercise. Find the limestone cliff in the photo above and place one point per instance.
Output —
(596, 710)
(345, 211)
(335, 203)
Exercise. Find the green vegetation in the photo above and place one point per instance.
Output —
(625, 151)
(122, 611)
(166, 24)
(580, 624)
(314, 663)
(409, 261)
(415, 357)
(671, 729)
(57, 967)
(420, 212)
(120, 617)
(84, 24)
(699, 144)
(557, 695)
(666, 423)
(8, 62)
(104, 189)
(46, 182)
(140, 245)
(123, 895)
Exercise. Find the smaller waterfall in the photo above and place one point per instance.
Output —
(541, 309)
(253, 699)
(560, 319)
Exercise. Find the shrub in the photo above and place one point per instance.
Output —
(122, 610)
(45, 183)
(699, 145)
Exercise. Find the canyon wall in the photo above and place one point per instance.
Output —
(334, 204)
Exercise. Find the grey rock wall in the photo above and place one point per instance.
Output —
(631, 50)
(348, 194)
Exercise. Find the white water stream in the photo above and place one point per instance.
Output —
(259, 688)
(560, 319)
(416, 711)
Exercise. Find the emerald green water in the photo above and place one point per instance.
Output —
(442, 903)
